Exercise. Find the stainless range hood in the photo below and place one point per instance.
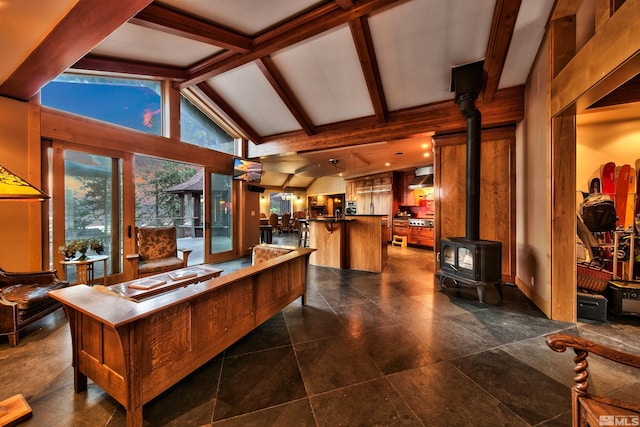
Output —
(423, 178)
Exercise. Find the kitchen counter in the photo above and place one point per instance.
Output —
(334, 238)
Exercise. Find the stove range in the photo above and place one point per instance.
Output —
(420, 222)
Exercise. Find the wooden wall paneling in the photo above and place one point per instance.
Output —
(562, 245)
(616, 46)
(497, 191)
(563, 220)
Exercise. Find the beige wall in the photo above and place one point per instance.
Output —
(20, 222)
(532, 211)
(326, 185)
(610, 141)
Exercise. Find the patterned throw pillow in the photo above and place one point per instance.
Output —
(262, 254)
(157, 242)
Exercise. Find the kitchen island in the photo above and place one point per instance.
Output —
(356, 242)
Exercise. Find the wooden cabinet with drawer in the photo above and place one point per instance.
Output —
(400, 227)
(422, 236)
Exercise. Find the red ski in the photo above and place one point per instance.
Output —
(622, 188)
(608, 180)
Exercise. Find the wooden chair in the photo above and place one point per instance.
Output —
(275, 224)
(303, 233)
(157, 251)
(286, 222)
(590, 409)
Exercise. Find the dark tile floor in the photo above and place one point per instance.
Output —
(368, 350)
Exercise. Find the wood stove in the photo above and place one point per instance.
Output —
(472, 263)
(469, 260)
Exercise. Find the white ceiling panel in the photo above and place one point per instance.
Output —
(245, 16)
(135, 42)
(418, 42)
(525, 42)
(325, 73)
(20, 33)
(250, 95)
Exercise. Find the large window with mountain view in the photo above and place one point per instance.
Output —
(132, 103)
(198, 129)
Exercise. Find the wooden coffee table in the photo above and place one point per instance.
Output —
(164, 282)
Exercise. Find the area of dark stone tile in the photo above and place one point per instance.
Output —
(441, 395)
(447, 339)
(373, 403)
(190, 402)
(297, 413)
(367, 349)
(343, 294)
(513, 383)
(256, 381)
(312, 323)
(361, 317)
(333, 363)
(272, 333)
(395, 349)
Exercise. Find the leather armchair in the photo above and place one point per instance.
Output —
(157, 251)
(24, 299)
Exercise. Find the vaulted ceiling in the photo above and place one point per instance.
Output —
(366, 82)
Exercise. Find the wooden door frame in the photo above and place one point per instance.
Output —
(576, 81)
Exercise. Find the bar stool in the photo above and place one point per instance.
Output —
(303, 233)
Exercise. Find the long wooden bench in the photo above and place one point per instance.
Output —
(135, 350)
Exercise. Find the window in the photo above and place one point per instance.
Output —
(281, 203)
(198, 129)
(132, 103)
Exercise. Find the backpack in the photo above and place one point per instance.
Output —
(598, 213)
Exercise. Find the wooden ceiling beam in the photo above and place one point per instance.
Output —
(440, 117)
(115, 65)
(171, 21)
(366, 53)
(280, 85)
(314, 22)
(502, 26)
(345, 4)
(85, 26)
(231, 115)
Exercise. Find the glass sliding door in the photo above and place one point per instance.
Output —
(219, 230)
(169, 193)
(93, 208)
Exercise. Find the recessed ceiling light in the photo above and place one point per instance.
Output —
(425, 145)
(426, 154)
(387, 164)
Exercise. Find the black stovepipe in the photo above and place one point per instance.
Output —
(474, 124)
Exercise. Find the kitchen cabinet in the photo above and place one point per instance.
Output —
(400, 227)
(350, 190)
(422, 236)
(374, 196)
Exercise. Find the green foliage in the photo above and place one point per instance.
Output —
(155, 177)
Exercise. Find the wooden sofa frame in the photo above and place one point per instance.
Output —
(589, 409)
(137, 350)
